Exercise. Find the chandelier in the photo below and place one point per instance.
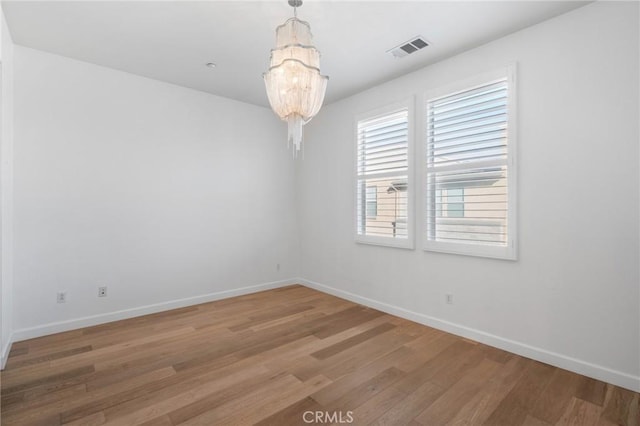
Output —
(294, 84)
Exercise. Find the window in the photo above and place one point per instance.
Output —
(372, 202)
(383, 177)
(450, 202)
(470, 174)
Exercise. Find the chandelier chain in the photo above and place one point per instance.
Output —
(295, 4)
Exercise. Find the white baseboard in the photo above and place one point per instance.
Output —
(5, 352)
(585, 368)
(58, 327)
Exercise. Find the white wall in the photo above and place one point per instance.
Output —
(156, 191)
(572, 298)
(6, 192)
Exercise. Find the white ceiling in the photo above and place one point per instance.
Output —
(172, 40)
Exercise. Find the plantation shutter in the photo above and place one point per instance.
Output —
(382, 175)
(467, 166)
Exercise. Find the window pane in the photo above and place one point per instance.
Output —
(390, 219)
(468, 206)
(382, 144)
(468, 127)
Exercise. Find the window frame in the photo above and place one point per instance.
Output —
(405, 243)
(508, 252)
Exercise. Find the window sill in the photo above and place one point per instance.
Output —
(386, 242)
(476, 250)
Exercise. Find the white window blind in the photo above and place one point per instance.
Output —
(468, 169)
(382, 181)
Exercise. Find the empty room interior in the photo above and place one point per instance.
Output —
(320, 212)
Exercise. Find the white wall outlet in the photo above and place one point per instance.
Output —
(449, 299)
(61, 297)
(277, 266)
(102, 291)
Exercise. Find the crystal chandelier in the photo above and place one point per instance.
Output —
(294, 85)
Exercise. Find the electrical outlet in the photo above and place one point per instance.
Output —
(277, 267)
(61, 297)
(449, 299)
(102, 291)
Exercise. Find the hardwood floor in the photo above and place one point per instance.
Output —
(270, 357)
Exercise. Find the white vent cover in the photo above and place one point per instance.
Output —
(408, 47)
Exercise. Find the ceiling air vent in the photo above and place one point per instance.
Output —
(408, 47)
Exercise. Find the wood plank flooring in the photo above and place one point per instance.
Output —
(268, 358)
